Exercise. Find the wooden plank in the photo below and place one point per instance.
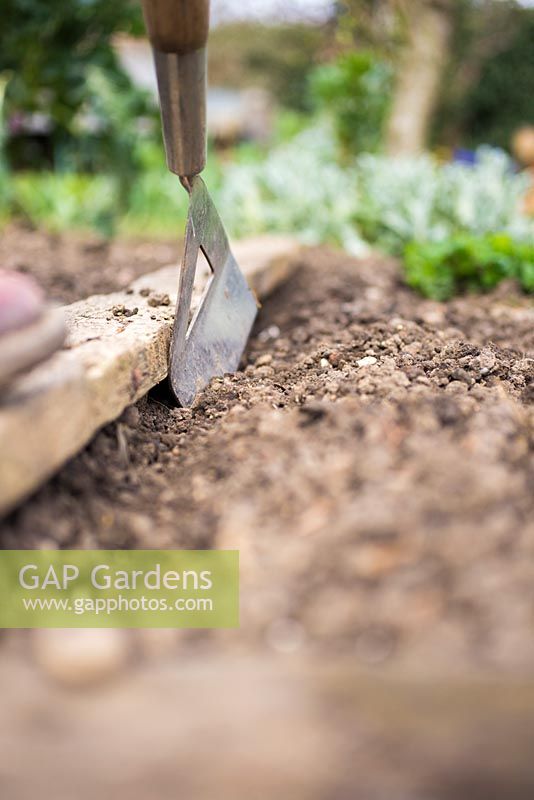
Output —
(117, 350)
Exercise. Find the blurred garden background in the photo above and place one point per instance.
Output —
(404, 125)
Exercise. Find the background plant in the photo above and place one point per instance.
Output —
(459, 226)
(355, 91)
(489, 80)
(420, 199)
(323, 175)
(51, 51)
(462, 263)
(299, 187)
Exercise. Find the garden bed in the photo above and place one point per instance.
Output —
(372, 462)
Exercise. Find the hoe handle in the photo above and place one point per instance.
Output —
(177, 26)
(178, 31)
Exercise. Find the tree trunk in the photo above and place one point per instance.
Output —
(430, 25)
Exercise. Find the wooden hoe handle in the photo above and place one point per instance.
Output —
(178, 31)
(177, 26)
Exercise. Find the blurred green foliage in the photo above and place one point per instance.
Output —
(489, 83)
(62, 65)
(376, 25)
(355, 90)
(487, 89)
(66, 201)
(418, 198)
(59, 63)
(155, 206)
(275, 57)
(464, 263)
(441, 217)
(503, 98)
(48, 48)
(322, 175)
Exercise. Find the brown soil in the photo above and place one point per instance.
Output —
(76, 266)
(373, 462)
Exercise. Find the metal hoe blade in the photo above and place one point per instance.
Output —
(213, 343)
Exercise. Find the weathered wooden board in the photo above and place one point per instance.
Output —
(117, 350)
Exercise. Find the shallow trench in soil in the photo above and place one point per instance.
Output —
(373, 461)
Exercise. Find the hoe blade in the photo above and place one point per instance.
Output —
(214, 341)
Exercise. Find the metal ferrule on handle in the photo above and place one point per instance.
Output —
(182, 92)
(178, 31)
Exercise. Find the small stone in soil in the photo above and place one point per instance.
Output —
(334, 358)
(487, 360)
(264, 372)
(264, 361)
(122, 311)
(159, 300)
(368, 361)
